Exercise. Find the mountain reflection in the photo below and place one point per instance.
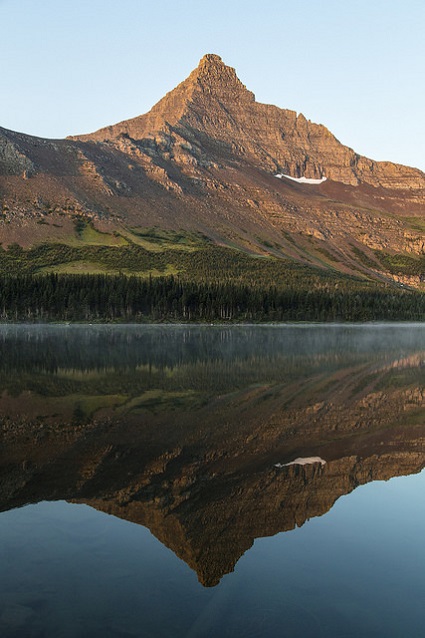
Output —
(193, 431)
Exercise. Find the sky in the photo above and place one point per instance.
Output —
(356, 66)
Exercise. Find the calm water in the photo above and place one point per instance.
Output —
(208, 481)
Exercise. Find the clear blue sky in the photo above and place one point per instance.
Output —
(357, 66)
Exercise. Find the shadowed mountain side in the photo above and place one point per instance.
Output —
(205, 160)
(208, 477)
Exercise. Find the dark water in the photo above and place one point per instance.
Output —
(191, 482)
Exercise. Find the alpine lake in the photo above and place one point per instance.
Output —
(212, 481)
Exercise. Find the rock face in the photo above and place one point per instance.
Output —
(204, 159)
(12, 161)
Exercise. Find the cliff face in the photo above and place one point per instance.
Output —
(205, 159)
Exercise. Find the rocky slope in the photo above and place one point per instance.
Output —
(205, 159)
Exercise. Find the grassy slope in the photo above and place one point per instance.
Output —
(158, 252)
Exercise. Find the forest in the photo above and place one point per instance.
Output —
(121, 298)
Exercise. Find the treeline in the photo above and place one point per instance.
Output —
(119, 298)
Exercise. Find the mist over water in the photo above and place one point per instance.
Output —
(85, 347)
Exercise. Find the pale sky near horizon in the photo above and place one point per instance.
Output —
(73, 66)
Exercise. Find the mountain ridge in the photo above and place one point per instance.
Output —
(213, 83)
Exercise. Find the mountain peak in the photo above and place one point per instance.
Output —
(210, 92)
(211, 59)
(215, 77)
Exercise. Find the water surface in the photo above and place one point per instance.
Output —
(210, 481)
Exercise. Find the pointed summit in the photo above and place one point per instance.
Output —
(211, 60)
(211, 86)
(217, 78)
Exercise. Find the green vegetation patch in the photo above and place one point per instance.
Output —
(329, 256)
(402, 264)
(158, 239)
(211, 264)
(416, 223)
(86, 233)
(93, 268)
(89, 405)
(159, 400)
(78, 267)
(365, 259)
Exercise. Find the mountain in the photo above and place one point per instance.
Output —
(210, 165)
(213, 109)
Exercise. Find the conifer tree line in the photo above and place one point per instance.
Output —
(56, 297)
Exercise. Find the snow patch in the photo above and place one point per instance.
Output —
(302, 180)
(308, 460)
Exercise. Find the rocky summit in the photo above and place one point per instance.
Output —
(210, 162)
